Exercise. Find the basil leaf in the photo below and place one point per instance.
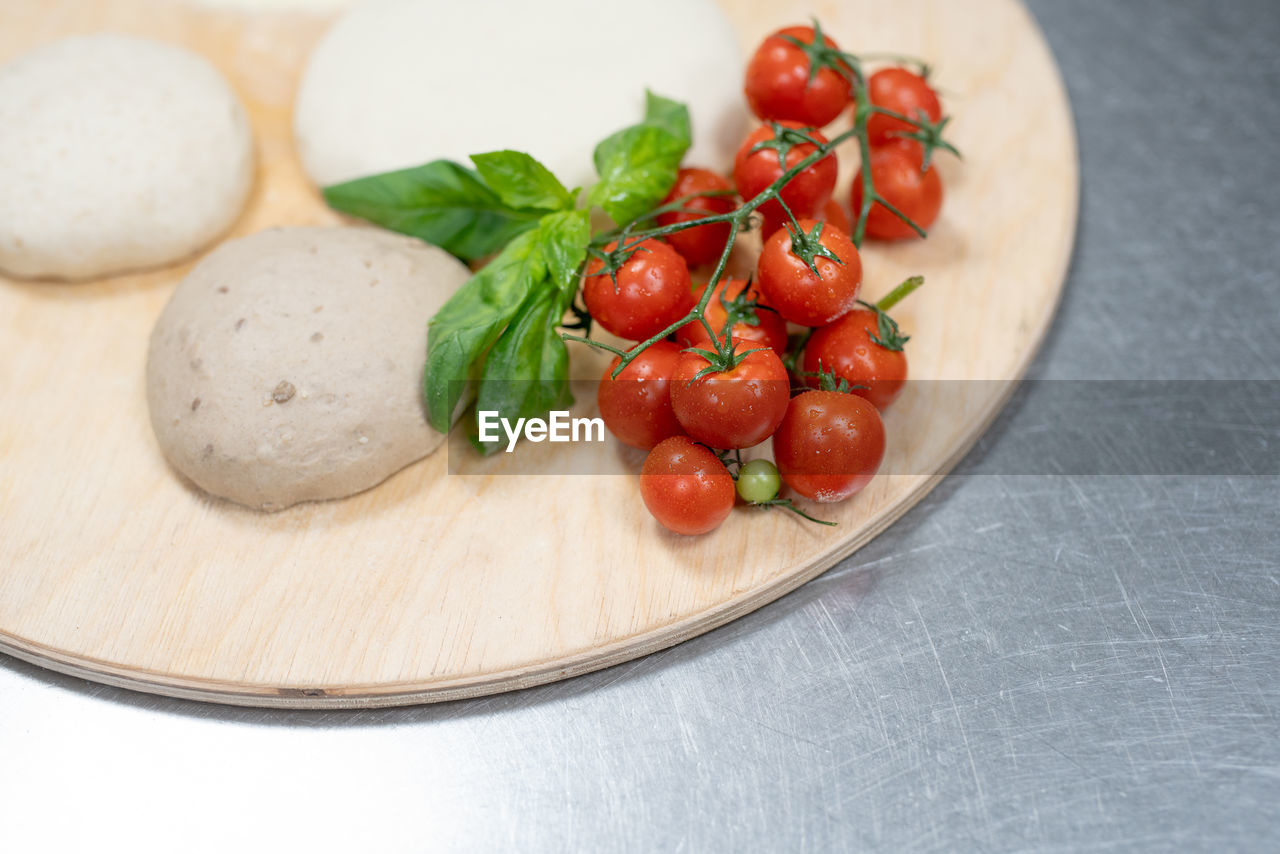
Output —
(526, 374)
(638, 164)
(441, 202)
(522, 181)
(670, 115)
(473, 319)
(565, 237)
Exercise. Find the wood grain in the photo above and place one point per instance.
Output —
(438, 585)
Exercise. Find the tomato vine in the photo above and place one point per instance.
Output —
(928, 133)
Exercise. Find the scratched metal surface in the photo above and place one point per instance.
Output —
(1024, 662)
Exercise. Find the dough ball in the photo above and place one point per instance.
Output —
(288, 365)
(396, 83)
(116, 153)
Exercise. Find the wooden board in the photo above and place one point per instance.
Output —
(433, 585)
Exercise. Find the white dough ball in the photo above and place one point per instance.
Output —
(288, 365)
(396, 83)
(116, 153)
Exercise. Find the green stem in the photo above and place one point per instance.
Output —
(896, 295)
(670, 207)
(600, 344)
(902, 117)
(869, 194)
(795, 222)
(788, 504)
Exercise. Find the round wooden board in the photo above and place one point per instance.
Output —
(434, 585)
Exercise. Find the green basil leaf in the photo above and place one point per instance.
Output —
(670, 115)
(473, 319)
(522, 181)
(441, 202)
(638, 164)
(565, 237)
(526, 374)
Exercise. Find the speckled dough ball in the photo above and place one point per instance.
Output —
(288, 365)
(116, 153)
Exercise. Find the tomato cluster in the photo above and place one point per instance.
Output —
(797, 79)
(732, 377)
(720, 382)
(683, 396)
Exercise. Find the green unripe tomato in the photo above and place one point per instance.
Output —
(758, 481)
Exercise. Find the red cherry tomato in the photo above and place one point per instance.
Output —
(790, 286)
(636, 405)
(769, 330)
(903, 92)
(703, 244)
(897, 176)
(653, 291)
(910, 147)
(737, 408)
(829, 446)
(834, 214)
(845, 348)
(686, 487)
(780, 84)
(805, 194)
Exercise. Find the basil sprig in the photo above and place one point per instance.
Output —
(501, 327)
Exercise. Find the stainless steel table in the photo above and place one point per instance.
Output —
(1027, 661)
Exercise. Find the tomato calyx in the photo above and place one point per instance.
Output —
(927, 132)
(795, 346)
(724, 358)
(887, 334)
(828, 380)
(821, 53)
(741, 308)
(615, 259)
(783, 140)
(581, 318)
(807, 246)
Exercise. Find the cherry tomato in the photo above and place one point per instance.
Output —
(905, 93)
(636, 406)
(897, 176)
(845, 348)
(780, 84)
(653, 291)
(910, 147)
(737, 408)
(758, 481)
(770, 330)
(830, 445)
(805, 194)
(686, 487)
(790, 286)
(834, 214)
(703, 244)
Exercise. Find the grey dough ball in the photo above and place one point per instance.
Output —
(288, 365)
